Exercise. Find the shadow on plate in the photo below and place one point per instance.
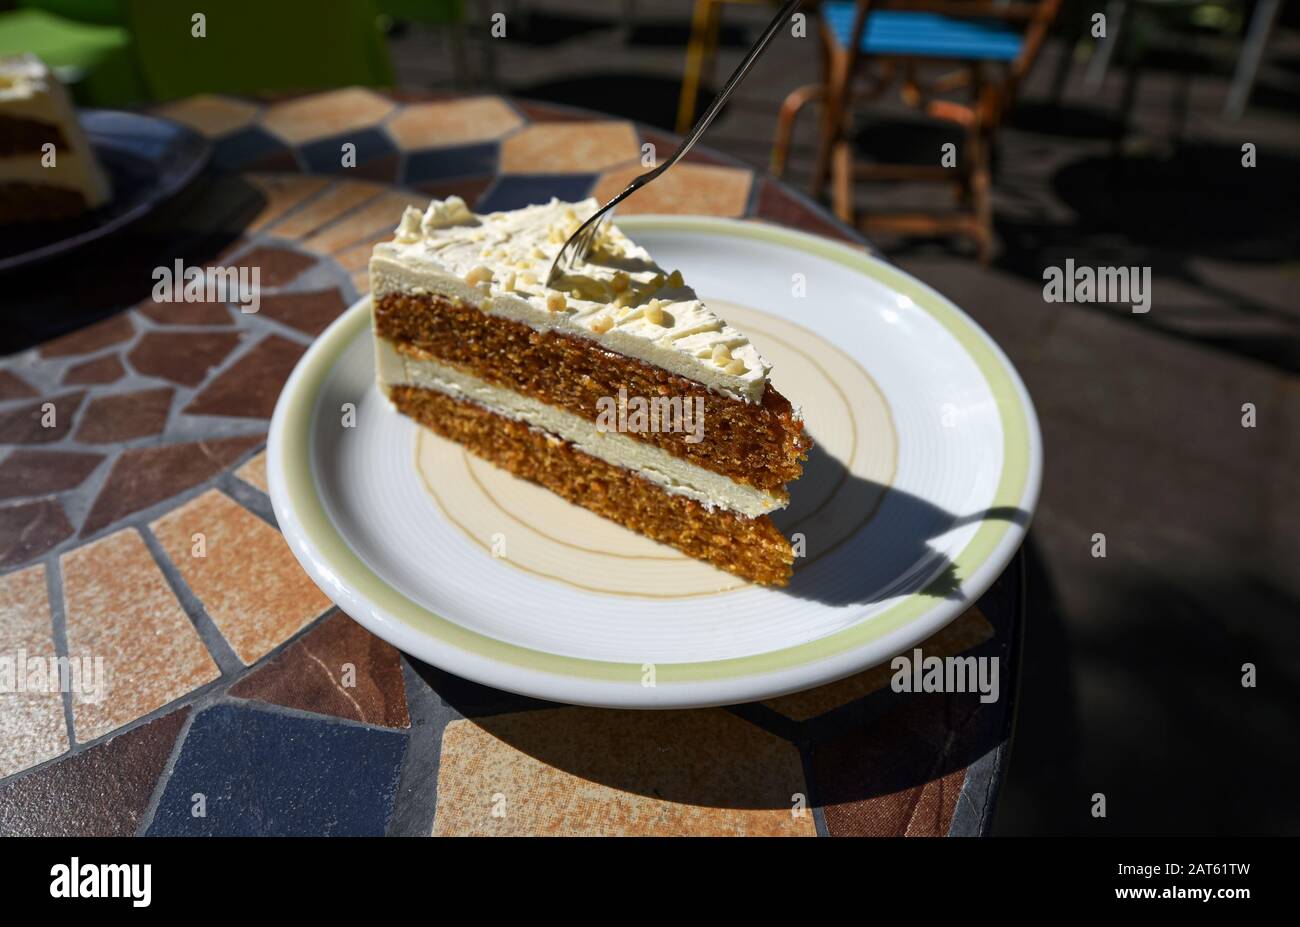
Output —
(847, 564)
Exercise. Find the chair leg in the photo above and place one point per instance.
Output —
(795, 101)
(832, 127)
(842, 181)
(696, 53)
(981, 188)
(1252, 52)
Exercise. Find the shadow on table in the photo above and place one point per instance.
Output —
(715, 758)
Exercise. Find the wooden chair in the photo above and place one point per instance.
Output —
(991, 46)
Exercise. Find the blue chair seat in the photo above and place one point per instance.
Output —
(925, 35)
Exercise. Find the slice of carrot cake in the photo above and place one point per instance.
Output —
(617, 389)
(47, 168)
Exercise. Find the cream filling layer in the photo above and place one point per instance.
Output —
(673, 474)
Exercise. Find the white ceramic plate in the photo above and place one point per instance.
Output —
(926, 473)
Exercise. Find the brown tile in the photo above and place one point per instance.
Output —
(119, 609)
(212, 115)
(452, 122)
(920, 811)
(113, 330)
(13, 386)
(968, 630)
(340, 669)
(107, 369)
(27, 424)
(784, 208)
(101, 792)
(467, 188)
(880, 779)
(144, 476)
(307, 312)
(125, 416)
(385, 169)
(251, 385)
(379, 215)
(322, 115)
(185, 313)
(37, 473)
(281, 192)
(32, 728)
(278, 266)
(688, 189)
(541, 112)
(182, 357)
(341, 198)
(570, 148)
(248, 580)
(254, 472)
(29, 529)
(591, 771)
(280, 160)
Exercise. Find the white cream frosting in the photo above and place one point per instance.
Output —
(29, 91)
(673, 474)
(620, 298)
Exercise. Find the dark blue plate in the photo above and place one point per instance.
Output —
(147, 160)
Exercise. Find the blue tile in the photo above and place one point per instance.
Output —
(516, 190)
(326, 155)
(459, 161)
(264, 773)
(245, 147)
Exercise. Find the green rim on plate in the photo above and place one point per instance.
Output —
(300, 485)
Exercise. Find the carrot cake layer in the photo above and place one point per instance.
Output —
(758, 443)
(749, 547)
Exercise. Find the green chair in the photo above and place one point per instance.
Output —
(100, 12)
(253, 46)
(94, 58)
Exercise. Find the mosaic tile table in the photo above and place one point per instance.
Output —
(131, 427)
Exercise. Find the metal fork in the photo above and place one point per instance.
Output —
(578, 247)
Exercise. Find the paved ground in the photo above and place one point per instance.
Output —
(1131, 682)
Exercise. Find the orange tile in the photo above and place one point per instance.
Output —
(341, 198)
(379, 215)
(32, 729)
(210, 114)
(248, 580)
(572, 771)
(121, 610)
(688, 189)
(254, 472)
(452, 122)
(282, 193)
(968, 630)
(322, 115)
(569, 148)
